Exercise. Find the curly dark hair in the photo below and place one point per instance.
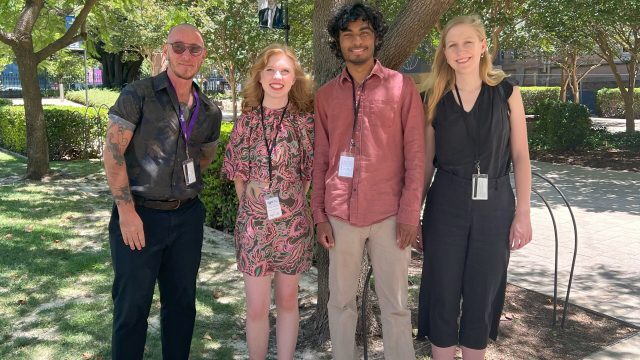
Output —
(353, 12)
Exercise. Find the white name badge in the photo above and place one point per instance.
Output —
(189, 171)
(274, 210)
(480, 187)
(347, 162)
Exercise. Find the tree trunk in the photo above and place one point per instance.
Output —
(564, 84)
(628, 111)
(116, 73)
(37, 145)
(372, 311)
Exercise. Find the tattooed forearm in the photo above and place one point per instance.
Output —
(122, 195)
(117, 141)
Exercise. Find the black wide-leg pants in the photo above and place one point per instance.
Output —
(466, 254)
(172, 257)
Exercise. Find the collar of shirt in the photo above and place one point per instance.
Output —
(377, 70)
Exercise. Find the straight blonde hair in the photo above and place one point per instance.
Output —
(301, 93)
(443, 77)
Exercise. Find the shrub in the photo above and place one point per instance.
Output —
(218, 194)
(5, 102)
(561, 125)
(532, 95)
(97, 97)
(609, 103)
(67, 132)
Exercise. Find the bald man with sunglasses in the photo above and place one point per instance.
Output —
(161, 136)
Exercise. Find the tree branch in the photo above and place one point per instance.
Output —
(409, 28)
(27, 18)
(70, 36)
(8, 38)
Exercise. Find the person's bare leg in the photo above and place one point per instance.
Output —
(440, 353)
(258, 298)
(287, 317)
(472, 354)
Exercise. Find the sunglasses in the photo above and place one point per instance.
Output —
(180, 47)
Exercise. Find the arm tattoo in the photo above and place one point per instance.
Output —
(115, 140)
(122, 195)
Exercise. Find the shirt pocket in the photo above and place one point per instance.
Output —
(382, 113)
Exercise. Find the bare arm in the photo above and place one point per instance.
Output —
(521, 232)
(117, 141)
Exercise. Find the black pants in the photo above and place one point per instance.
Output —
(172, 256)
(466, 254)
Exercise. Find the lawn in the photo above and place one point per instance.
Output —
(55, 272)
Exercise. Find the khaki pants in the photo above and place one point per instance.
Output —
(390, 268)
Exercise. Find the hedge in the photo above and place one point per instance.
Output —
(561, 125)
(218, 194)
(532, 95)
(65, 131)
(610, 104)
(5, 102)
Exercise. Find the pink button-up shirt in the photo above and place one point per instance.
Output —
(389, 150)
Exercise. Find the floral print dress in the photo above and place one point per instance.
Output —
(284, 244)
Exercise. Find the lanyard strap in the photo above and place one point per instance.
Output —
(356, 108)
(472, 137)
(273, 142)
(187, 129)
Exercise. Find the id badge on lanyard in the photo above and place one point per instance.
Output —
(189, 171)
(479, 185)
(272, 202)
(346, 165)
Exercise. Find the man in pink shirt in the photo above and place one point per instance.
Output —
(367, 180)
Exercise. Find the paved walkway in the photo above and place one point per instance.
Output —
(606, 206)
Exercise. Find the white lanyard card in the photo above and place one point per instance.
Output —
(480, 187)
(347, 163)
(274, 210)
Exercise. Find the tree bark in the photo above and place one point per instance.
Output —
(37, 145)
(405, 34)
(564, 84)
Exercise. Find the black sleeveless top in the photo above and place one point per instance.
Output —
(485, 131)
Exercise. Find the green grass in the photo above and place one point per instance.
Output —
(55, 272)
(97, 97)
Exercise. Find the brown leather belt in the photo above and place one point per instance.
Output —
(162, 204)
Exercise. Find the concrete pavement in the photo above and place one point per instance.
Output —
(606, 206)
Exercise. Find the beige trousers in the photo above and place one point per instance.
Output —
(390, 269)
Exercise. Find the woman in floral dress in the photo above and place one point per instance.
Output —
(269, 158)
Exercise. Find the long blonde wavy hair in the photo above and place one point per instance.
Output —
(301, 93)
(443, 77)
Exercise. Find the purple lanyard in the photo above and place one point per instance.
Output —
(187, 129)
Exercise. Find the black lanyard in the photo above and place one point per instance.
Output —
(356, 108)
(276, 129)
(472, 137)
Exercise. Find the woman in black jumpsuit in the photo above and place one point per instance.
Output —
(475, 130)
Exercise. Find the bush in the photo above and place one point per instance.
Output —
(532, 95)
(218, 194)
(5, 102)
(97, 97)
(561, 125)
(609, 103)
(67, 132)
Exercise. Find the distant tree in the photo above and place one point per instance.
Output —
(556, 35)
(230, 28)
(615, 27)
(37, 33)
